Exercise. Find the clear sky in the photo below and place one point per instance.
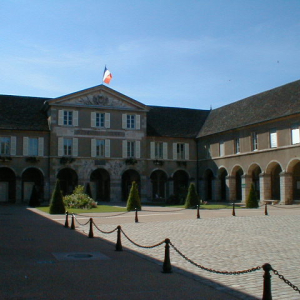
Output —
(180, 53)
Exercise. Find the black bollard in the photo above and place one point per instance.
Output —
(198, 211)
(67, 220)
(267, 294)
(119, 244)
(91, 233)
(72, 223)
(233, 209)
(136, 216)
(266, 210)
(167, 268)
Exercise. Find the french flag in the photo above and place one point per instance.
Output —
(107, 76)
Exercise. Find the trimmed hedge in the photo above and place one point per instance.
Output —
(134, 200)
(56, 203)
(192, 198)
(252, 201)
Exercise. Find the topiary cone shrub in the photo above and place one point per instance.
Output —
(252, 201)
(192, 199)
(56, 202)
(134, 200)
(34, 198)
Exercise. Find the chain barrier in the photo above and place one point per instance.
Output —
(138, 245)
(212, 270)
(105, 232)
(295, 288)
(79, 222)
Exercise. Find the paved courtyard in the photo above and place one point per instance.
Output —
(217, 241)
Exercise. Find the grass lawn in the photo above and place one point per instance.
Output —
(109, 208)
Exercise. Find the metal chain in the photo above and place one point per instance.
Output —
(105, 232)
(212, 270)
(81, 223)
(295, 288)
(146, 247)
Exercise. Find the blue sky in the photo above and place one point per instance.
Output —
(183, 53)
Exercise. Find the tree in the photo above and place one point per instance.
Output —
(133, 200)
(56, 203)
(252, 201)
(192, 199)
(34, 198)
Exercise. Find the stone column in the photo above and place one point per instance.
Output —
(115, 189)
(19, 190)
(265, 186)
(216, 189)
(286, 188)
(231, 184)
(246, 186)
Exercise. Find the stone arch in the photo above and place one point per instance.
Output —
(254, 171)
(237, 172)
(181, 182)
(68, 180)
(294, 169)
(100, 184)
(159, 180)
(222, 174)
(7, 185)
(208, 184)
(128, 177)
(274, 169)
(32, 178)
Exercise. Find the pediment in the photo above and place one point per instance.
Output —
(99, 97)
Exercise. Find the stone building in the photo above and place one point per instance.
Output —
(104, 139)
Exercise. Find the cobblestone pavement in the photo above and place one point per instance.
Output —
(218, 241)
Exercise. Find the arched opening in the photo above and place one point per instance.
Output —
(159, 184)
(238, 173)
(208, 182)
(296, 182)
(7, 185)
(223, 187)
(100, 185)
(32, 178)
(68, 180)
(181, 182)
(127, 178)
(275, 182)
(255, 180)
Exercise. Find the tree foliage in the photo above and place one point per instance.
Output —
(56, 202)
(134, 200)
(192, 199)
(252, 201)
(79, 199)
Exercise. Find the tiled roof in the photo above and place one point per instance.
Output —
(279, 102)
(175, 122)
(22, 113)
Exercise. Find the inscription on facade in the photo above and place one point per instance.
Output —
(103, 133)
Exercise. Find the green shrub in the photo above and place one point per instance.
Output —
(56, 202)
(133, 200)
(79, 199)
(252, 201)
(192, 198)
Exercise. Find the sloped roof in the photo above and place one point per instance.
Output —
(175, 122)
(278, 102)
(22, 113)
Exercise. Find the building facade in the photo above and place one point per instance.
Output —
(104, 139)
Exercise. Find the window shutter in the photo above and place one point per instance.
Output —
(138, 149)
(187, 151)
(138, 122)
(75, 147)
(107, 148)
(273, 138)
(60, 146)
(152, 150)
(107, 120)
(93, 119)
(25, 146)
(93, 148)
(165, 150)
(41, 146)
(295, 135)
(13, 145)
(174, 151)
(124, 149)
(60, 117)
(75, 118)
(221, 149)
(124, 121)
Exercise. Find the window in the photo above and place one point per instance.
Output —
(221, 150)
(158, 151)
(33, 147)
(130, 121)
(100, 119)
(68, 117)
(100, 148)
(67, 150)
(254, 141)
(130, 149)
(180, 151)
(273, 138)
(295, 135)
(5, 145)
(237, 146)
